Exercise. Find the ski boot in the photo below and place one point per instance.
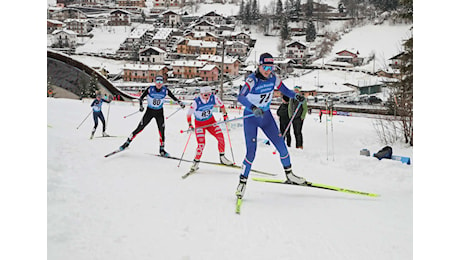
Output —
(224, 160)
(294, 178)
(125, 145)
(195, 165)
(241, 186)
(92, 133)
(163, 152)
(104, 134)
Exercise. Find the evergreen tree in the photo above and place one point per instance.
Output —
(241, 12)
(309, 8)
(284, 27)
(247, 13)
(279, 8)
(255, 11)
(310, 31)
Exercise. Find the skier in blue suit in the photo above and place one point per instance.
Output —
(96, 105)
(256, 95)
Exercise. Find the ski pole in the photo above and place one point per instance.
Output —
(186, 144)
(131, 114)
(290, 122)
(332, 133)
(230, 142)
(177, 110)
(108, 113)
(217, 123)
(84, 119)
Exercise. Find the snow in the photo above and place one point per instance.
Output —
(136, 206)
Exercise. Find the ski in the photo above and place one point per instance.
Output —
(317, 185)
(114, 152)
(188, 174)
(218, 164)
(108, 136)
(239, 201)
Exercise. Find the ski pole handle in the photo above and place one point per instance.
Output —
(217, 123)
(131, 114)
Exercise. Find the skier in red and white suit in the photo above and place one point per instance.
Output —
(201, 108)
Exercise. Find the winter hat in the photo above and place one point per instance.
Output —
(266, 59)
(159, 77)
(298, 87)
(205, 89)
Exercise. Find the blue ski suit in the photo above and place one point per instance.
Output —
(258, 91)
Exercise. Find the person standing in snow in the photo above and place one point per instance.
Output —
(297, 122)
(283, 114)
(96, 105)
(201, 108)
(256, 95)
(156, 95)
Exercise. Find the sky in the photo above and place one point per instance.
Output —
(25, 201)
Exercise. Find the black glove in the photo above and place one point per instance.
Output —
(181, 104)
(225, 117)
(141, 108)
(190, 127)
(299, 97)
(258, 112)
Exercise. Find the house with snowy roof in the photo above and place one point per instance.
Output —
(144, 72)
(171, 18)
(119, 18)
(152, 55)
(187, 46)
(346, 58)
(231, 65)
(213, 17)
(64, 38)
(209, 73)
(52, 25)
(187, 69)
(298, 51)
(80, 26)
(204, 26)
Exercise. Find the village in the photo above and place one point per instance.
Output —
(212, 49)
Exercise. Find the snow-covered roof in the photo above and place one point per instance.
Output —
(67, 31)
(204, 44)
(208, 67)
(143, 67)
(162, 33)
(216, 58)
(188, 63)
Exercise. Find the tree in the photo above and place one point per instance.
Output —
(284, 27)
(309, 8)
(279, 8)
(310, 31)
(241, 11)
(255, 11)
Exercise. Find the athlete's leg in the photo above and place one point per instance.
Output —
(270, 129)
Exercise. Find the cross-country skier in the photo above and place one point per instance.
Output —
(155, 98)
(201, 108)
(297, 122)
(256, 95)
(96, 105)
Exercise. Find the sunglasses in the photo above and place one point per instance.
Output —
(159, 81)
(206, 95)
(267, 68)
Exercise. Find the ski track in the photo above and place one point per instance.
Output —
(135, 205)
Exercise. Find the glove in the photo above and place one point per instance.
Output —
(299, 97)
(190, 127)
(257, 111)
(181, 104)
(141, 108)
(225, 117)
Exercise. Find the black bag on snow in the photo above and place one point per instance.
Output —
(385, 152)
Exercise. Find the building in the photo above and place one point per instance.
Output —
(187, 69)
(144, 72)
(80, 26)
(231, 65)
(52, 25)
(161, 38)
(236, 48)
(119, 18)
(209, 73)
(172, 19)
(131, 3)
(196, 47)
(64, 38)
(297, 51)
(152, 55)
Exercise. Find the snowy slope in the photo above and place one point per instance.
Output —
(136, 206)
